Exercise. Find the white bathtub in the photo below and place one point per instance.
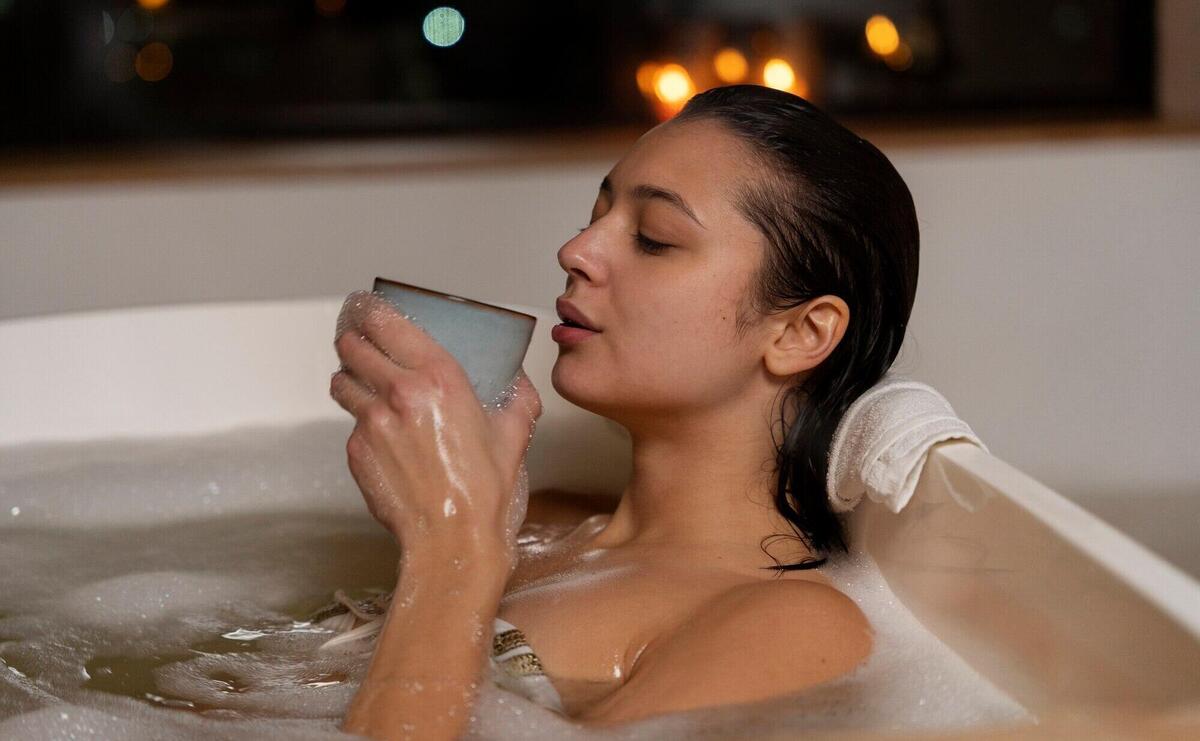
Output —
(1052, 605)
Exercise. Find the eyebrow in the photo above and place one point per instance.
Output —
(644, 192)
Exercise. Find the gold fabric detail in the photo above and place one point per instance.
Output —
(507, 641)
(523, 664)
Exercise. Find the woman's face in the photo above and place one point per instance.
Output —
(666, 316)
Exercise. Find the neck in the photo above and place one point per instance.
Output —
(705, 481)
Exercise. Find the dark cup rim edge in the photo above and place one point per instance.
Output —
(443, 294)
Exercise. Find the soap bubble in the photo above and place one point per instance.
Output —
(136, 604)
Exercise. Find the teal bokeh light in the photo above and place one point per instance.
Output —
(443, 26)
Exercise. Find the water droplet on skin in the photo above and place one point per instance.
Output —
(15, 511)
(448, 508)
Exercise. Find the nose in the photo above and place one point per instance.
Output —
(580, 258)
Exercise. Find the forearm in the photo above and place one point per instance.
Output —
(432, 648)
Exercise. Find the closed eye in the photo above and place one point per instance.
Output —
(646, 244)
(649, 245)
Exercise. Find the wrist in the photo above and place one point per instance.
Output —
(466, 558)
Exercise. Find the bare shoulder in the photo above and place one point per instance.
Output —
(781, 603)
(791, 632)
(751, 642)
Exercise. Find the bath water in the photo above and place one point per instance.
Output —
(161, 589)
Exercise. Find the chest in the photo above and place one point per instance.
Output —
(588, 620)
(582, 628)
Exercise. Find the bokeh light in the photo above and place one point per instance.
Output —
(673, 85)
(152, 4)
(645, 77)
(882, 36)
(443, 26)
(108, 27)
(777, 73)
(330, 8)
(730, 65)
(154, 61)
(901, 59)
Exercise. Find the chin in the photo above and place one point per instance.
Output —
(604, 396)
(572, 385)
(564, 384)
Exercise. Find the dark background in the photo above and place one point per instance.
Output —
(251, 69)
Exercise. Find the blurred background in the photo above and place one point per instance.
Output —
(84, 71)
(180, 151)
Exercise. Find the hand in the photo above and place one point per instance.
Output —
(432, 464)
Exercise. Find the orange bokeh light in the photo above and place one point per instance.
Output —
(901, 59)
(330, 8)
(645, 77)
(154, 61)
(777, 73)
(882, 36)
(673, 85)
(730, 65)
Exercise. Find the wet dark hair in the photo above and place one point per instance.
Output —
(838, 219)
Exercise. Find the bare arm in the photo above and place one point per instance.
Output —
(423, 676)
(440, 472)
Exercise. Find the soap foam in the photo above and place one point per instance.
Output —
(162, 588)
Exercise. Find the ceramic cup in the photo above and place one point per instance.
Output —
(489, 341)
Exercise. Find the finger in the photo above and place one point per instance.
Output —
(368, 475)
(397, 336)
(349, 392)
(368, 364)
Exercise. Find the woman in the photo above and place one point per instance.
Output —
(748, 271)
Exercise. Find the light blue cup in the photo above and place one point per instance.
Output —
(489, 341)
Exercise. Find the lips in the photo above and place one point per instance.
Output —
(573, 317)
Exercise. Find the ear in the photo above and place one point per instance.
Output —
(802, 337)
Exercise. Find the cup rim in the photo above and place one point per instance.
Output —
(451, 296)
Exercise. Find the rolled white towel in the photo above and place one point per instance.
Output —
(882, 441)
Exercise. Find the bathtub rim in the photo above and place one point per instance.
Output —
(1156, 579)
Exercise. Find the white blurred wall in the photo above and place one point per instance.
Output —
(1057, 307)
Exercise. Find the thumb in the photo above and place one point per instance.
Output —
(517, 417)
